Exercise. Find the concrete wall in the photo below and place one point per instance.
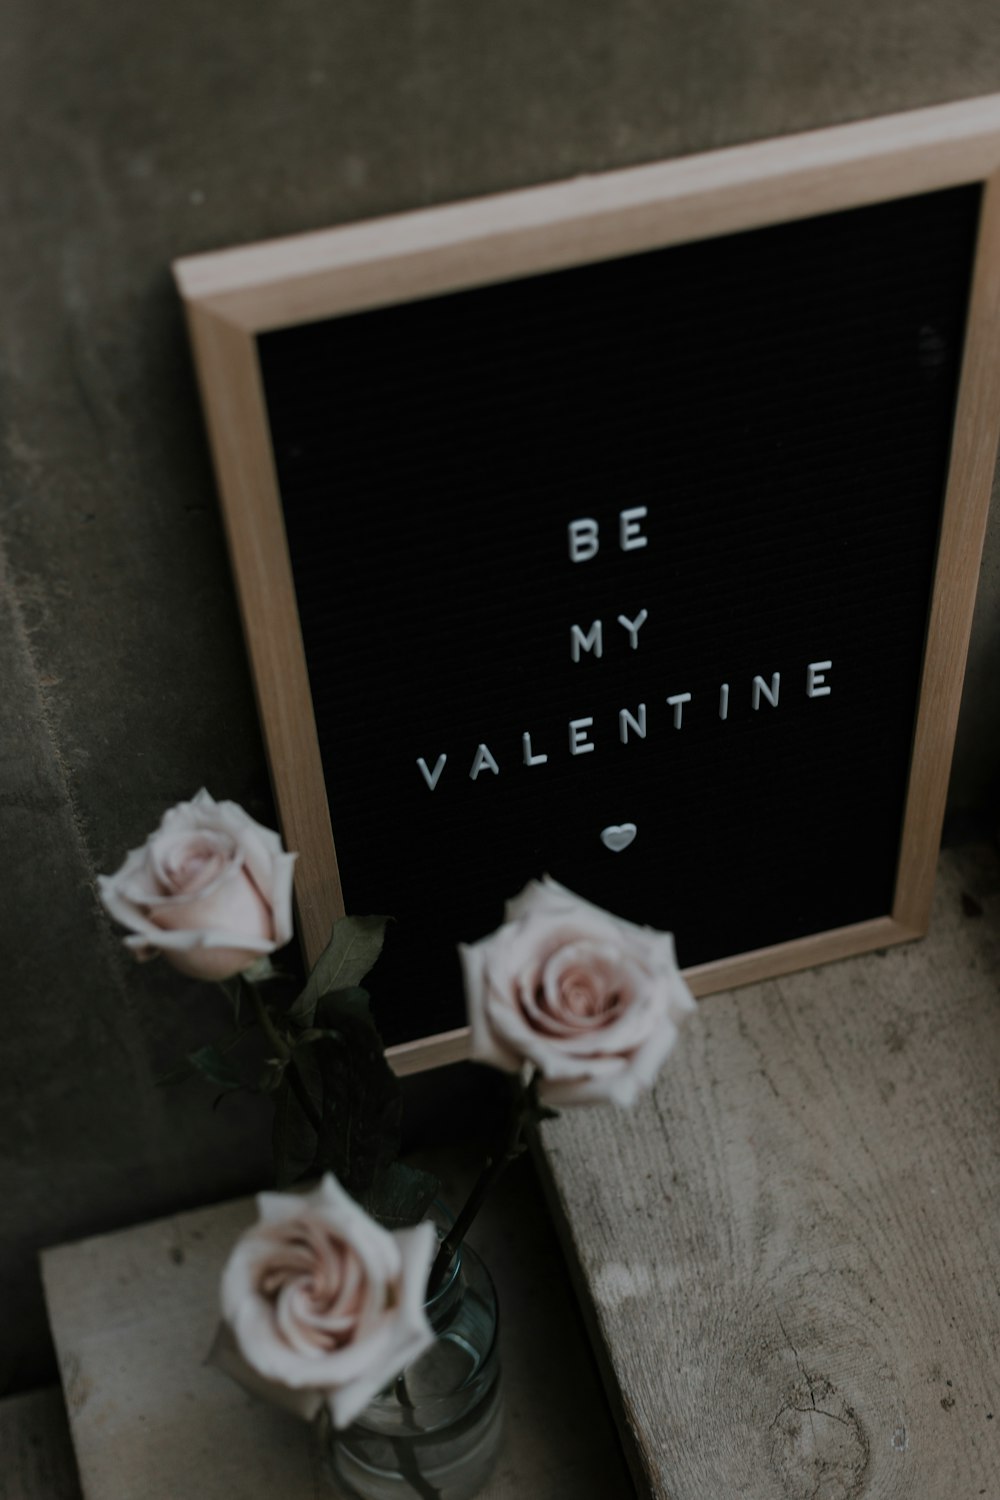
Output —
(136, 133)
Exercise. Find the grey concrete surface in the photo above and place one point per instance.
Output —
(135, 134)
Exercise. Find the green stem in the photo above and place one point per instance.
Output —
(406, 1458)
(523, 1106)
(284, 1052)
(264, 1021)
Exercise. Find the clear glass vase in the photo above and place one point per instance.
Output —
(434, 1434)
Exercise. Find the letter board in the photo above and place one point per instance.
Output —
(625, 530)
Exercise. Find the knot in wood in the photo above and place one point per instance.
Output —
(819, 1448)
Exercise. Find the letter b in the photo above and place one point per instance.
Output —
(582, 539)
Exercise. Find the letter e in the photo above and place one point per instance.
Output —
(578, 741)
(816, 678)
(629, 534)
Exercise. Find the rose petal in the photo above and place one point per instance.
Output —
(484, 1044)
(308, 1305)
(225, 1355)
(211, 889)
(188, 861)
(591, 1000)
(414, 1333)
(616, 1086)
(208, 962)
(234, 905)
(613, 979)
(553, 1058)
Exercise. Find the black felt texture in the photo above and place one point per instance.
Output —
(781, 402)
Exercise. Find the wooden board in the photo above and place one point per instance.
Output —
(789, 1253)
(36, 1454)
(134, 1313)
(498, 373)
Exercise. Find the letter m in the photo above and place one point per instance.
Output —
(592, 641)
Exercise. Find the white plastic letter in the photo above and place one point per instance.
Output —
(628, 528)
(770, 693)
(592, 641)
(637, 724)
(677, 703)
(578, 741)
(634, 626)
(583, 542)
(483, 762)
(432, 777)
(529, 759)
(816, 678)
(724, 700)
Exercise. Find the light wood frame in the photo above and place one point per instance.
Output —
(233, 295)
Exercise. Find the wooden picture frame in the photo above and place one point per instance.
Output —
(234, 296)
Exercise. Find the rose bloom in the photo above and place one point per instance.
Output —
(211, 890)
(323, 1304)
(592, 1001)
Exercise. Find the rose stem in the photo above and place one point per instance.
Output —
(284, 1052)
(494, 1165)
(409, 1468)
(405, 1454)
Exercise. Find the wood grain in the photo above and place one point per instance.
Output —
(233, 399)
(36, 1455)
(789, 1253)
(963, 529)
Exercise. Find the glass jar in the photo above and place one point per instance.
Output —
(434, 1434)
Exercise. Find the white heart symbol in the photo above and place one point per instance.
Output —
(618, 836)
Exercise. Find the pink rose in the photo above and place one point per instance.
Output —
(592, 1001)
(211, 890)
(324, 1305)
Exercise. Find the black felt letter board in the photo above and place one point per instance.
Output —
(772, 413)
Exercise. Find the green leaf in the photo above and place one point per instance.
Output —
(284, 1104)
(180, 1074)
(314, 1034)
(362, 1106)
(335, 1005)
(293, 1139)
(543, 1112)
(401, 1195)
(225, 1094)
(213, 1066)
(351, 953)
(272, 1074)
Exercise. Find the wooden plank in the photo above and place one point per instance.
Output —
(428, 252)
(789, 1252)
(799, 953)
(963, 528)
(36, 1455)
(133, 1315)
(251, 508)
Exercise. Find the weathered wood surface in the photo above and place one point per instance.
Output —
(133, 1315)
(36, 1455)
(790, 1251)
